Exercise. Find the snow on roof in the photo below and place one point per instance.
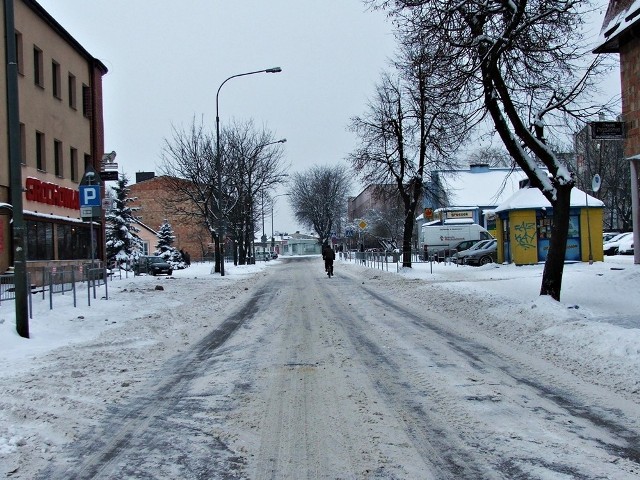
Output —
(485, 187)
(527, 198)
(620, 16)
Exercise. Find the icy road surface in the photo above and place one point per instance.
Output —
(290, 374)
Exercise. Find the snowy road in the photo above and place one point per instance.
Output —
(311, 377)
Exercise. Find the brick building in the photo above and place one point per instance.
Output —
(60, 128)
(621, 34)
(152, 195)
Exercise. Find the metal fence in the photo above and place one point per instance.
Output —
(383, 259)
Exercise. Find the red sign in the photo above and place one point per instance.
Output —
(51, 194)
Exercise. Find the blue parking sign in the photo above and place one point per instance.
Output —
(89, 196)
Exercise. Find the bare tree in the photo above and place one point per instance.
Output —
(522, 62)
(188, 161)
(251, 163)
(412, 126)
(492, 156)
(318, 198)
(255, 170)
(606, 158)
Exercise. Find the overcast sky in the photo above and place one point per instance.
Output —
(167, 58)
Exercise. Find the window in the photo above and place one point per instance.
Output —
(87, 161)
(86, 101)
(73, 164)
(56, 85)
(41, 161)
(19, 53)
(38, 74)
(72, 91)
(74, 241)
(23, 145)
(39, 240)
(57, 158)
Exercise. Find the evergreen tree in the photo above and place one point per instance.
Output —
(165, 248)
(123, 242)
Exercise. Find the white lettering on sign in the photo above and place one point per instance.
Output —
(89, 195)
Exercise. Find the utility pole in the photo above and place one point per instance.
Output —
(15, 162)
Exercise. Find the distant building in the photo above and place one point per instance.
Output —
(61, 130)
(151, 194)
(472, 193)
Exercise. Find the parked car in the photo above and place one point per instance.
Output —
(625, 245)
(606, 236)
(458, 247)
(611, 247)
(481, 253)
(274, 255)
(263, 256)
(152, 265)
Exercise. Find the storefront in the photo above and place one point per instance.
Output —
(524, 223)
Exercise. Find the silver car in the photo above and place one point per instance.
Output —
(479, 254)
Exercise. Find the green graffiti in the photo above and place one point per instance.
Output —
(525, 235)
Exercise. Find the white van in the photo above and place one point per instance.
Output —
(438, 238)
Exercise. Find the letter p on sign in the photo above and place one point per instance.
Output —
(89, 196)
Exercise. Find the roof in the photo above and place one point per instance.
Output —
(621, 18)
(530, 198)
(59, 29)
(480, 187)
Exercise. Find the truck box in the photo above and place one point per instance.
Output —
(438, 239)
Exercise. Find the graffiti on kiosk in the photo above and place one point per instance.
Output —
(525, 235)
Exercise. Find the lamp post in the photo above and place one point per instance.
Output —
(221, 232)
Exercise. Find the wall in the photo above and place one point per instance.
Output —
(191, 235)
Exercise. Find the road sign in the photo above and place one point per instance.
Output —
(89, 196)
(362, 224)
(607, 130)
(109, 176)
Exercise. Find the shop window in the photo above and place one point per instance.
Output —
(74, 242)
(39, 240)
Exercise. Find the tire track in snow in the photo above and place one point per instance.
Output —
(134, 442)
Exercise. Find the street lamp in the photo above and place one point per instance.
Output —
(221, 232)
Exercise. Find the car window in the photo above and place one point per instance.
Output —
(480, 245)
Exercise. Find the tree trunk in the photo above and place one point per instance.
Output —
(554, 265)
(406, 238)
(216, 242)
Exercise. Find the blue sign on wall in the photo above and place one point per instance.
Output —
(89, 196)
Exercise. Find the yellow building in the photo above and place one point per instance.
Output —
(524, 228)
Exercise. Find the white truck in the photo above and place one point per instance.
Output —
(439, 238)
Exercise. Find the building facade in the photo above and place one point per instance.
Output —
(151, 195)
(61, 131)
(621, 34)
